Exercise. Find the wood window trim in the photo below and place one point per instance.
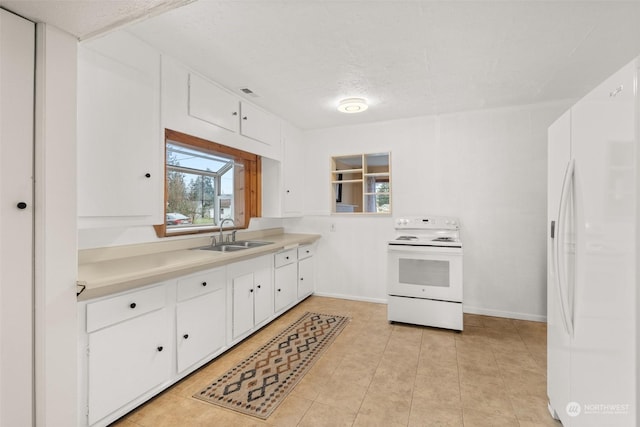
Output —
(252, 179)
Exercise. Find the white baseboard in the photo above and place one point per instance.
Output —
(505, 314)
(351, 297)
(465, 309)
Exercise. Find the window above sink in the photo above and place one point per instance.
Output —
(207, 183)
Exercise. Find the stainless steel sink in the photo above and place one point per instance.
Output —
(234, 246)
(249, 243)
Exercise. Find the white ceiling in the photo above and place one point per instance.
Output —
(86, 18)
(408, 58)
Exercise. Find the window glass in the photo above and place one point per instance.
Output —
(206, 183)
(199, 186)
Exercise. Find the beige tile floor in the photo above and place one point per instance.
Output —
(382, 374)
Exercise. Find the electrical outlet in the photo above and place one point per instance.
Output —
(332, 227)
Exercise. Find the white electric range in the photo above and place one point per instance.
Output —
(425, 272)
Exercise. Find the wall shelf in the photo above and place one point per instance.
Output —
(361, 183)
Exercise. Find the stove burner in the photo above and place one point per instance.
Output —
(407, 238)
(444, 239)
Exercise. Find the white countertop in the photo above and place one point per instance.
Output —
(111, 270)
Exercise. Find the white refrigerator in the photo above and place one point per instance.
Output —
(593, 235)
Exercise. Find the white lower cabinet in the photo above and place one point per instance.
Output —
(252, 286)
(285, 278)
(242, 304)
(127, 358)
(306, 271)
(134, 344)
(200, 317)
(263, 299)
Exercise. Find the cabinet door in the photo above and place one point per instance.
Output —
(263, 287)
(127, 360)
(17, 45)
(305, 277)
(200, 327)
(243, 296)
(259, 125)
(286, 285)
(119, 141)
(212, 104)
(293, 174)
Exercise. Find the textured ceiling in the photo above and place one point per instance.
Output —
(85, 18)
(408, 58)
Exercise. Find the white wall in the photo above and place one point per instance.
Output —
(486, 167)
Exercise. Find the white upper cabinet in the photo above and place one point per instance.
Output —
(293, 174)
(120, 174)
(197, 106)
(215, 105)
(259, 125)
(212, 104)
(283, 182)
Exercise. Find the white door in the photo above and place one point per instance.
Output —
(243, 296)
(120, 180)
(17, 47)
(285, 285)
(126, 360)
(259, 125)
(603, 309)
(305, 277)
(212, 104)
(200, 327)
(263, 299)
(558, 338)
(422, 272)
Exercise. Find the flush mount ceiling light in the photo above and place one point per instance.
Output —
(352, 105)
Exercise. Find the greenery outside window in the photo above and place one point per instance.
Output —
(206, 183)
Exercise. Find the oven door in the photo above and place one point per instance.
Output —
(425, 272)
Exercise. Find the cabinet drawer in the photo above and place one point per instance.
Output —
(306, 251)
(285, 257)
(200, 284)
(113, 310)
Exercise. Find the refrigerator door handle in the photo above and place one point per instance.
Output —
(560, 264)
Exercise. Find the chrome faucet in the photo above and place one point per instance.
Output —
(221, 239)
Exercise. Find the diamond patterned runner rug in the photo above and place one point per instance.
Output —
(258, 384)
